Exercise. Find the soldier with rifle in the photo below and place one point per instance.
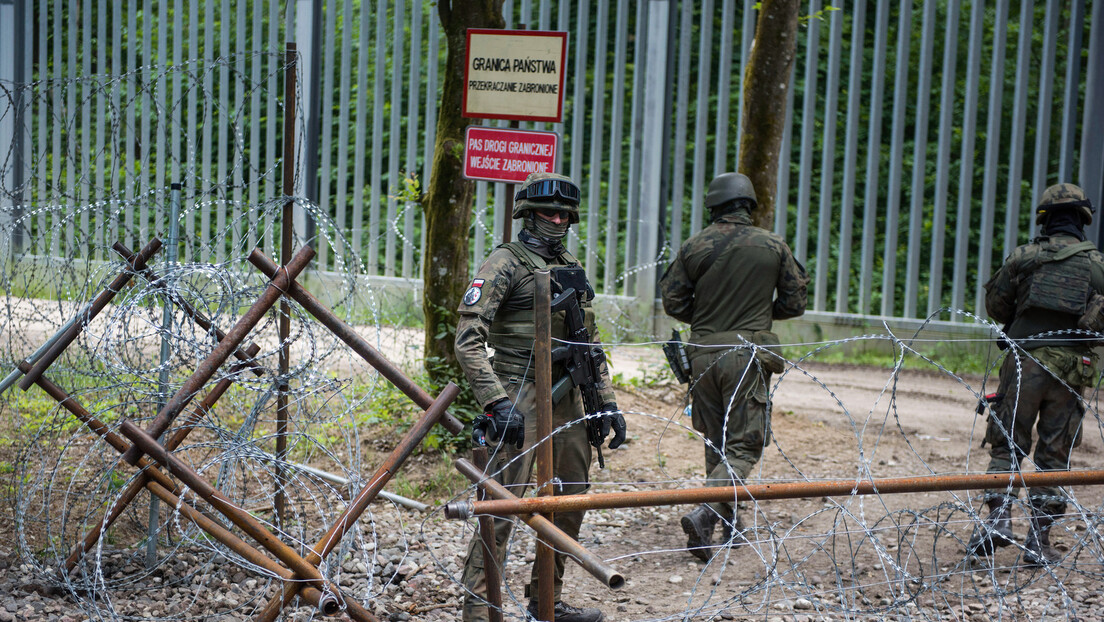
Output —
(497, 311)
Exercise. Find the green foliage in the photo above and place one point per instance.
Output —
(949, 355)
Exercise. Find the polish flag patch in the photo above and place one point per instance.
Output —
(474, 293)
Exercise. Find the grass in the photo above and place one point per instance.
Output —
(951, 356)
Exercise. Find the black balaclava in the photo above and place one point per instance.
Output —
(1065, 222)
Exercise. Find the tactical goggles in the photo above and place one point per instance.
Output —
(548, 190)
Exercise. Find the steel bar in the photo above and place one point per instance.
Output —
(196, 316)
(159, 484)
(761, 492)
(120, 444)
(17, 373)
(239, 516)
(342, 481)
(167, 315)
(544, 528)
(170, 444)
(542, 352)
(325, 601)
(283, 323)
(222, 350)
(90, 313)
(379, 479)
(491, 575)
(347, 334)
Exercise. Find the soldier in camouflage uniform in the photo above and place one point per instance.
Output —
(723, 284)
(497, 310)
(1048, 296)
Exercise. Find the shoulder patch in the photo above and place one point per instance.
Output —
(474, 293)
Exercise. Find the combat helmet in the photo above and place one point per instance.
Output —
(547, 191)
(1064, 196)
(728, 187)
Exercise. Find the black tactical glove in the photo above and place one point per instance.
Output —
(503, 421)
(611, 417)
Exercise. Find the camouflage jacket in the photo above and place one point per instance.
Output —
(503, 285)
(1030, 295)
(724, 278)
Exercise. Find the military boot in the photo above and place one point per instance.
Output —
(699, 526)
(1039, 552)
(995, 531)
(564, 612)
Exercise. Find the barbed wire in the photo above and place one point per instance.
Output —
(850, 557)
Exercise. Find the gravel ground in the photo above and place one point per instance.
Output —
(867, 558)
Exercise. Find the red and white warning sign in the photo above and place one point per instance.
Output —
(508, 156)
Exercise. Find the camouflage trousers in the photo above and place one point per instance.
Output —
(1034, 398)
(571, 455)
(730, 410)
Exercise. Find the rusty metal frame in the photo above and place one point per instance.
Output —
(301, 574)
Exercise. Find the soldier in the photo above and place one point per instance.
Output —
(497, 310)
(1048, 296)
(723, 283)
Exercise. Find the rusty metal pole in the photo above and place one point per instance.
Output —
(283, 328)
(542, 354)
(222, 351)
(90, 313)
(348, 334)
(159, 484)
(237, 515)
(379, 479)
(325, 602)
(491, 574)
(762, 492)
(544, 528)
(171, 443)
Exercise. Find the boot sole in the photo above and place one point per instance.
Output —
(695, 542)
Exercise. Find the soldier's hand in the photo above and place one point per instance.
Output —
(503, 422)
(612, 418)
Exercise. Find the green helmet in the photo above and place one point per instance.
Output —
(547, 191)
(728, 187)
(1064, 196)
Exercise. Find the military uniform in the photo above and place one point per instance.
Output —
(497, 310)
(1045, 386)
(723, 283)
(1048, 296)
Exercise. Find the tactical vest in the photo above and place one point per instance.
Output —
(513, 331)
(1061, 280)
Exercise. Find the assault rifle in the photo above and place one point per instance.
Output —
(583, 362)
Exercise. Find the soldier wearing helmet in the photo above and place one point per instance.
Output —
(497, 310)
(723, 283)
(1048, 295)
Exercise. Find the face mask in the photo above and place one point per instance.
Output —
(549, 230)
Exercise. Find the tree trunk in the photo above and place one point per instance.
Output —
(448, 201)
(766, 87)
